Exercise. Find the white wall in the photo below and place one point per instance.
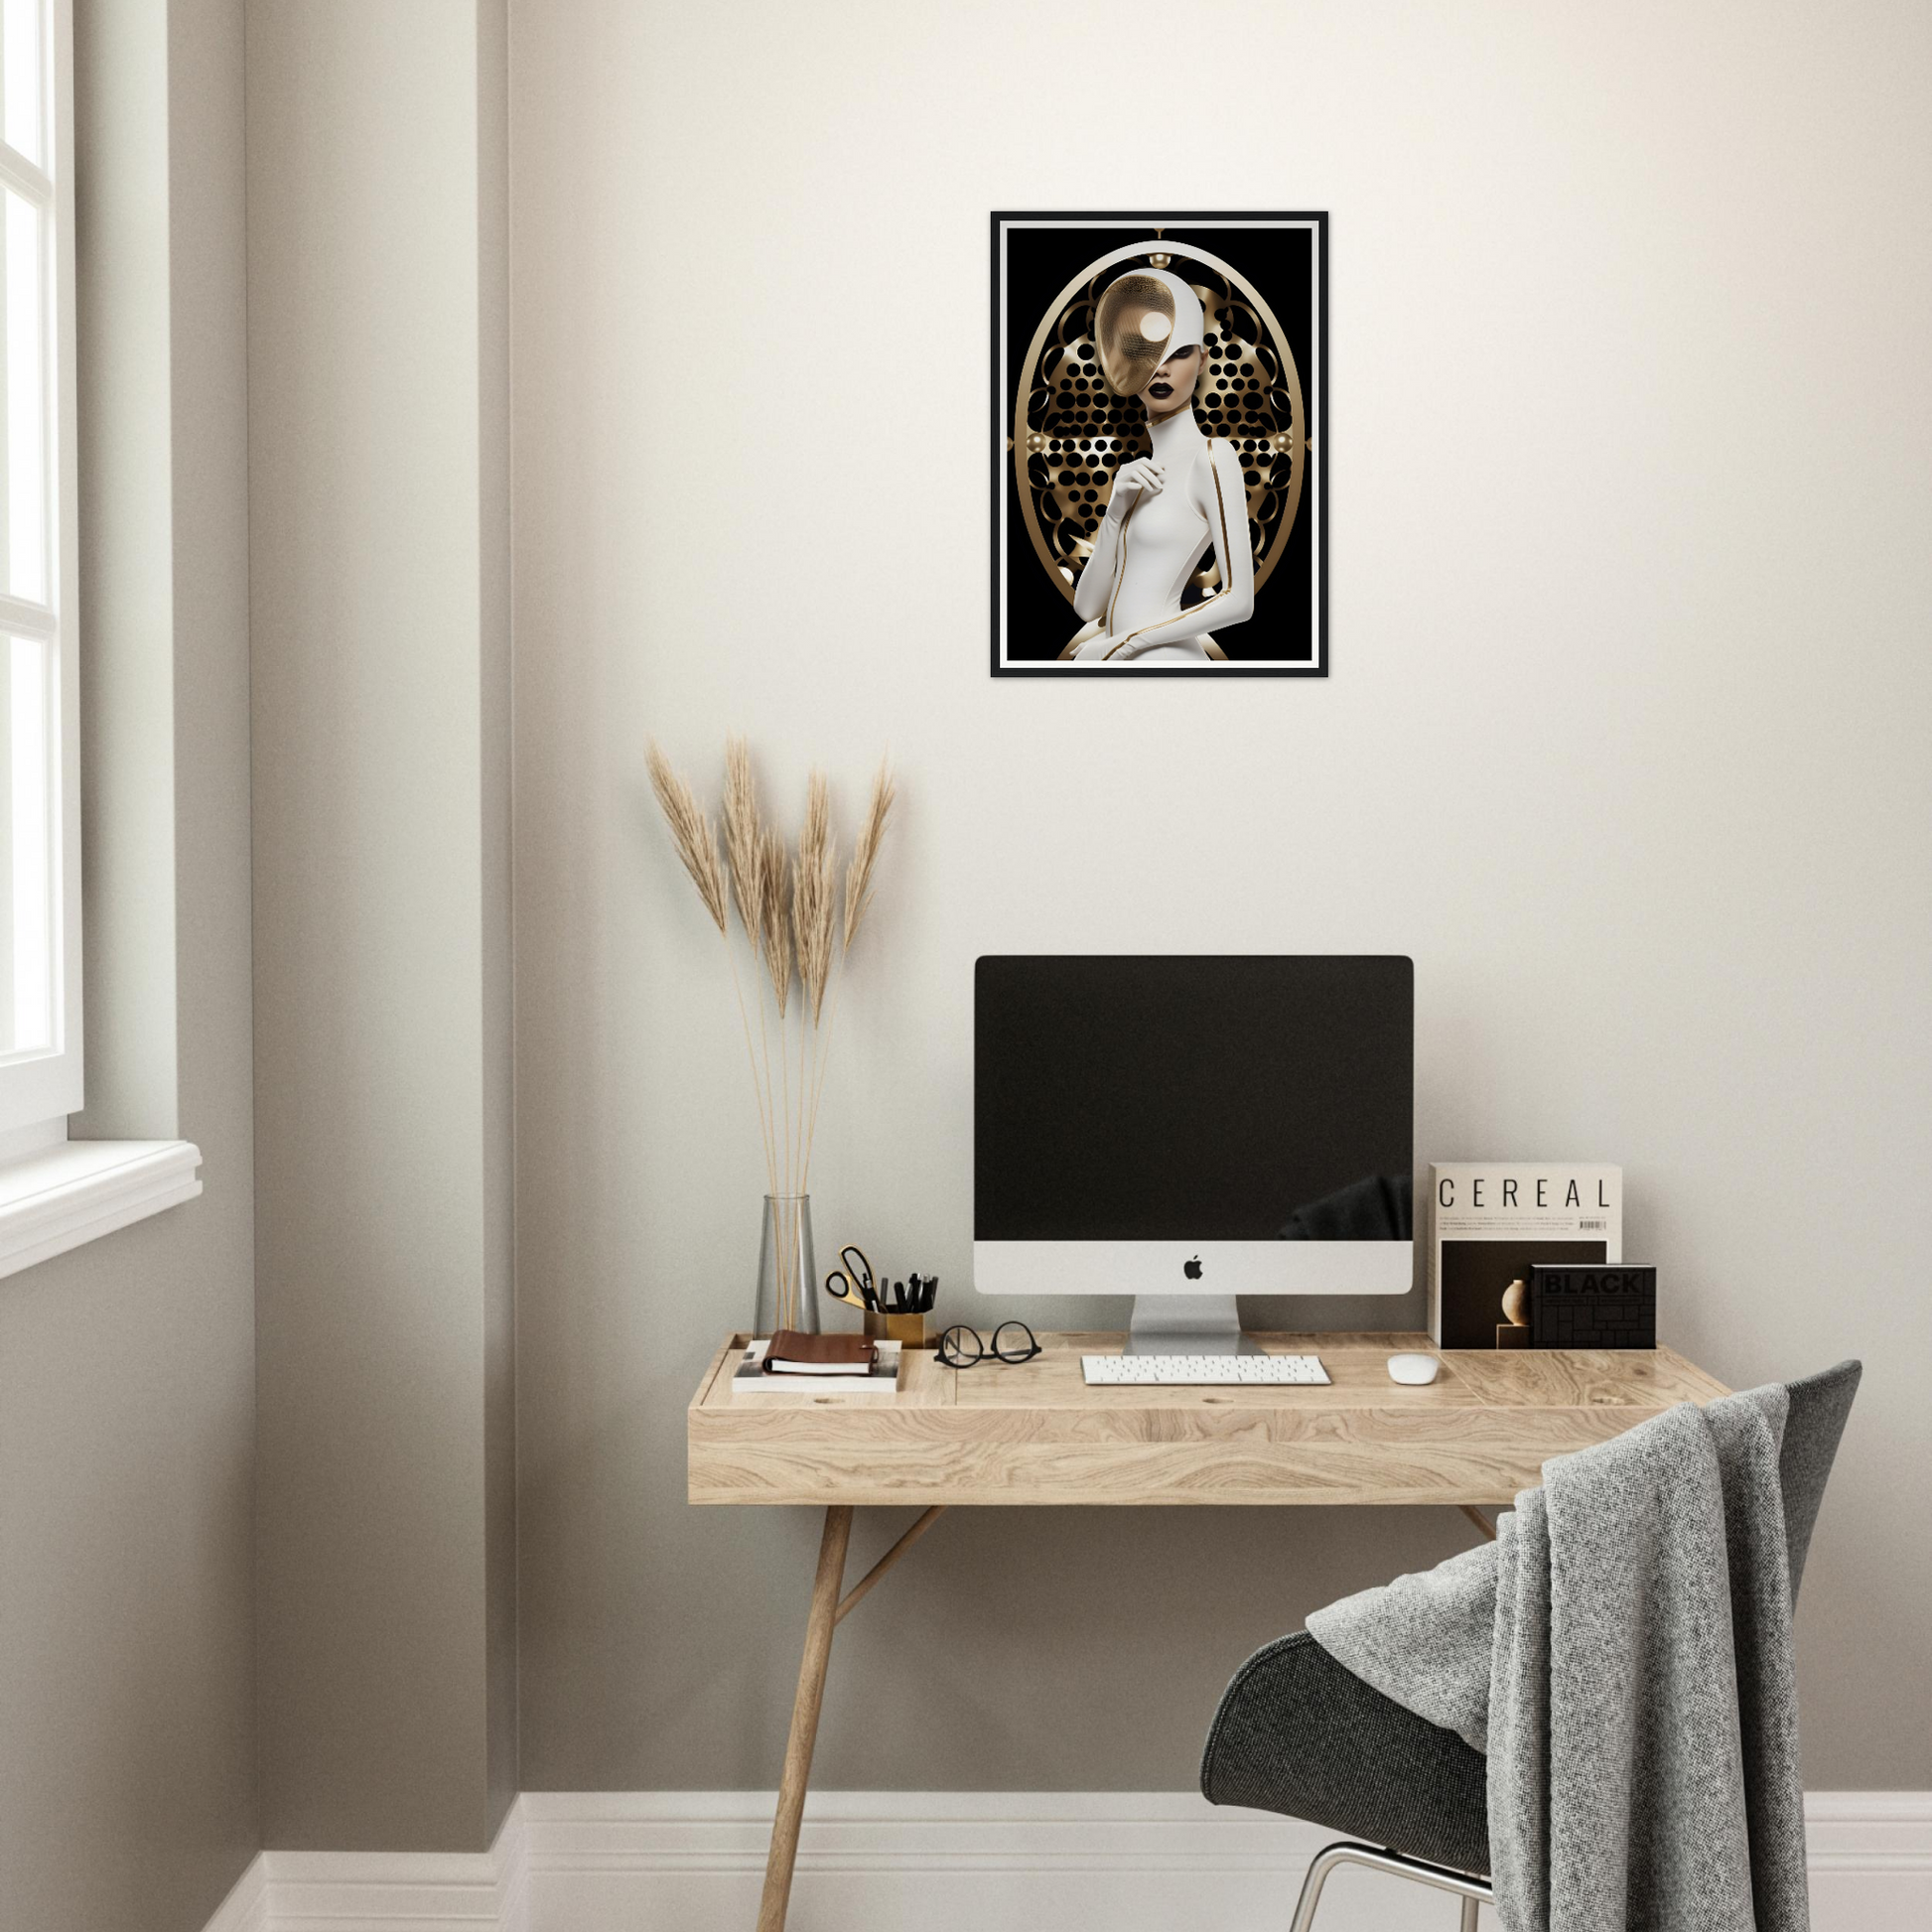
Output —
(1626, 743)
(377, 433)
(127, 1680)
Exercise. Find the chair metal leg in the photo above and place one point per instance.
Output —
(1472, 1891)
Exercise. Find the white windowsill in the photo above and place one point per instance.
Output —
(79, 1190)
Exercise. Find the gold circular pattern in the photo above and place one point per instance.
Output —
(1073, 428)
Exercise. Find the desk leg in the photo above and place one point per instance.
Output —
(805, 1719)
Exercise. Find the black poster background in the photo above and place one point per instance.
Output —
(1280, 263)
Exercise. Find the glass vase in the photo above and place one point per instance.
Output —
(788, 1272)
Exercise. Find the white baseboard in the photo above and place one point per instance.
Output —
(954, 1861)
(245, 1909)
(384, 1891)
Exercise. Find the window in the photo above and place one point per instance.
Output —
(54, 1193)
(40, 846)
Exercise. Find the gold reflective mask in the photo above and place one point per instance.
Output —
(1133, 326)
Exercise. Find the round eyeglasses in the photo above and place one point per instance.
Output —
(962, 1347)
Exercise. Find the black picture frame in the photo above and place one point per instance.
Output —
(1022, 592)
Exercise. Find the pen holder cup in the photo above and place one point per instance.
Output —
(907, 1328)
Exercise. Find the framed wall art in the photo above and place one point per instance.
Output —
(1159, 444)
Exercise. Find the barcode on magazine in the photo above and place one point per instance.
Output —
(1599, 1225)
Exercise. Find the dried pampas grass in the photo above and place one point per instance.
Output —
(742, 847)
(775, 917)
(865, 851)
(787, 910)
(691, 832)
(814, 896)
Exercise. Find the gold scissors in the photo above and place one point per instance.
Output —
(852, 1282)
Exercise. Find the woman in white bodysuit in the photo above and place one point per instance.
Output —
(1167, 507)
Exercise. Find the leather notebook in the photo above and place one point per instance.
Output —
(793, 1354)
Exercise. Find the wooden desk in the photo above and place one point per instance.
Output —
(1029, 1434)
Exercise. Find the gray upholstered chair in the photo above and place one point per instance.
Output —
(1298, 1734)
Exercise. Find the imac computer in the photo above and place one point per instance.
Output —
(1184, 1130)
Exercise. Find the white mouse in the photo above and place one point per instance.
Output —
(1415, 1370)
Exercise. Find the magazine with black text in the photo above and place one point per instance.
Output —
(1489, 1221)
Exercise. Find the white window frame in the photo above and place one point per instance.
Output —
(39, 1089)
(55, 1192)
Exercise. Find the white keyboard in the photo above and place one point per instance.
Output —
(1201, 1371)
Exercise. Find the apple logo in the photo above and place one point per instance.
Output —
(1191, 1268)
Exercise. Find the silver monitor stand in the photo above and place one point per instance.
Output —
(1186, 1325)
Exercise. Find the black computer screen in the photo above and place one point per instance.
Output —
(1214, 1098)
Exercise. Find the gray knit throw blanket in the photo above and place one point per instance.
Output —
(1622, 1652)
